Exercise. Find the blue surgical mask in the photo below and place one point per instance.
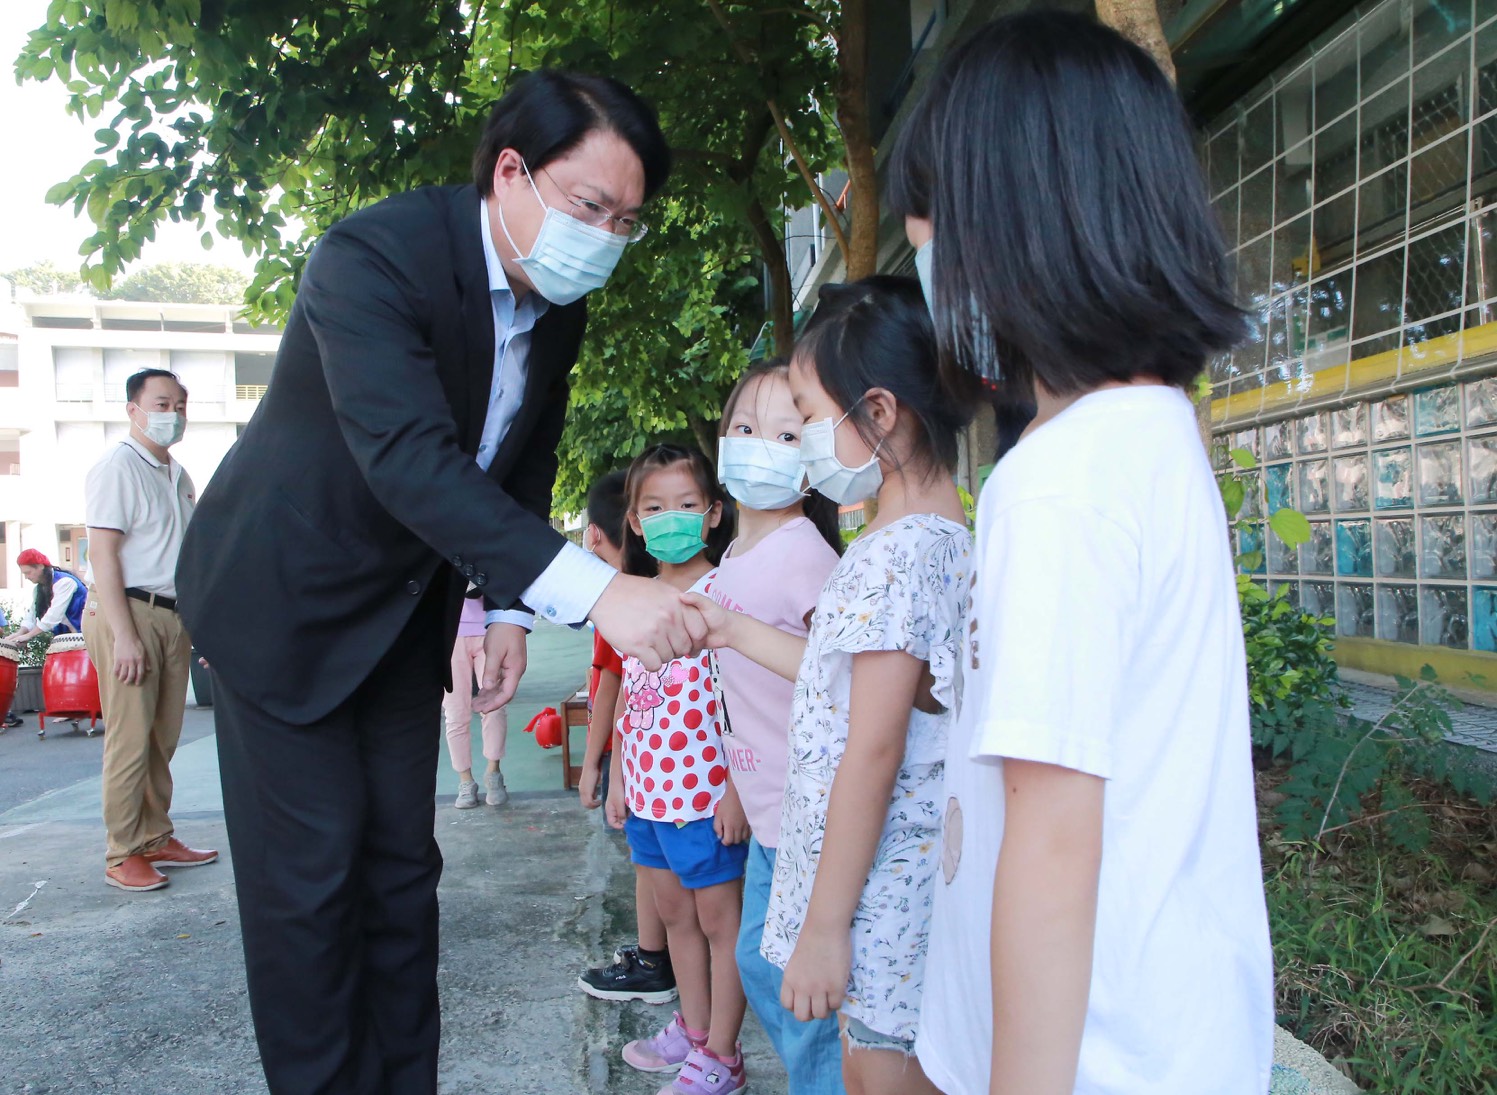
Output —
(569, 259)
(923, 259)
(759, 473)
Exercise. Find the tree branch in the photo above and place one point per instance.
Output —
(834, 222)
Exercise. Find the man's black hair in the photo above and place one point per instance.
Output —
(1073, 240)
(137, 382)
(548, 113)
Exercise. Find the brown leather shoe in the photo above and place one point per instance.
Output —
(135, 875)
(176, 854)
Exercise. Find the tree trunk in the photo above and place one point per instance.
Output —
(1138, 21)
(781, 292)
(706, 435)
(861, 257)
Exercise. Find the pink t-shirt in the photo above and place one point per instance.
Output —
(471, 621)
(777, 582)
(672, 745)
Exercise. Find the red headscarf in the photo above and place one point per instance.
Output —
(33, 558)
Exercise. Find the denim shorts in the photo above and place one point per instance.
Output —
(860, 1035)
(692, 852)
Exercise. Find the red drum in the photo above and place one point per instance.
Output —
(10, 662)
(70, 686)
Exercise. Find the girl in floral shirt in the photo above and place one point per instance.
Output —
(876, 680)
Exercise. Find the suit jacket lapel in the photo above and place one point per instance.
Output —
(477, 312)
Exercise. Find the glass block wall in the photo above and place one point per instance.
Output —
(1401, 494)
(1358, 192)
(1356, 189)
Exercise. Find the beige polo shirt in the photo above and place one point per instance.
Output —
(132, 492)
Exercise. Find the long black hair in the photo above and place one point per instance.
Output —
(1073, 240)
(876, 333)
(636, 559)
(818, 508)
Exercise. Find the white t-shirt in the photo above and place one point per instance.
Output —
(132, 492)
(1105, 637)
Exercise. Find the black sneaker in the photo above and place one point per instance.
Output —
(11, 721)
(630, 979)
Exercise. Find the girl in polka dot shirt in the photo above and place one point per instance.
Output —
(685, 825)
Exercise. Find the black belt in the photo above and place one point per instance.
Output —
(155, 600)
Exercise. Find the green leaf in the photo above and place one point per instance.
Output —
(1290, 526)
(1243, 458)
(1233, 495)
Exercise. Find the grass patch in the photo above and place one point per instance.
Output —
(1386, 956)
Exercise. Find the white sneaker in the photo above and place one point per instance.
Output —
(467, 795)
(498, 794)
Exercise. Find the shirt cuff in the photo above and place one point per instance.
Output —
(566, 590)
(517, 616)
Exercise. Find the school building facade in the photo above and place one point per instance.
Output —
(1351, 154)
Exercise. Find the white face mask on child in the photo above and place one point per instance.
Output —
(826, 473)
(759, 473)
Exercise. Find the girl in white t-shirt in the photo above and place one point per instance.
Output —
(876, 681)
(1100, 924)
(685, 825)
(787, 544)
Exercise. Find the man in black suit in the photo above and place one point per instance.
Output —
(406, 447)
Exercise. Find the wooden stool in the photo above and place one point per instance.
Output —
(573, 713)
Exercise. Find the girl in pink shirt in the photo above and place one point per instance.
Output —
(787, 544)
(457, 711)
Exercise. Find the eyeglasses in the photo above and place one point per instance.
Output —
(600, 216)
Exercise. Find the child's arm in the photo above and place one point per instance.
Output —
(884, 688)
(1044, 920)
(599, 731)
(615, 808)
(777, 651)
(730, 822)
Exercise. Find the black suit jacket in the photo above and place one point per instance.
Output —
(354, 488)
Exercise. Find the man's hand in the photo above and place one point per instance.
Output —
(730, 823)
(719, 621)
(130, 664)
(503, 666)
(20, 638)
(648, 620)
(816, 975)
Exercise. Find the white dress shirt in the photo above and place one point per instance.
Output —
(56, 615)
(565, 591)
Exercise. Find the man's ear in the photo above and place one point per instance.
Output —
(508, 168)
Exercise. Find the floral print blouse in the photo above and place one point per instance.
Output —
(902, 587)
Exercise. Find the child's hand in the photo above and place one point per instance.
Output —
(614, 809)
(587, 786)
(730, 823)
(718, 620)
(816, 975)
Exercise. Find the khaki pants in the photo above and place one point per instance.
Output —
(142, 723)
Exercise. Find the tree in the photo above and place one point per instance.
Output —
(221, 113)
(182, 283)
(46, 279)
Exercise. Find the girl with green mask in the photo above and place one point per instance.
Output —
(685, 825)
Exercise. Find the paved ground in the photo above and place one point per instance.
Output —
(144, 994)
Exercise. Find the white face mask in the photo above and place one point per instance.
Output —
(164, 427)
(759, 473)
(827, 474)
(569, 259)
(924, 256)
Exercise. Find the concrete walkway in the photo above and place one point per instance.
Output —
(144, 994)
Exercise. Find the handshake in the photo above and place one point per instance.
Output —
(655, 623)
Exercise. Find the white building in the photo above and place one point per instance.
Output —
(63, 366)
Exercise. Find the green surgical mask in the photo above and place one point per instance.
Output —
(673, 536)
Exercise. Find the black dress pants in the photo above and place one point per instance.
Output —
(336, 868)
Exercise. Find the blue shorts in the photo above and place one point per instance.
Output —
(692, 852)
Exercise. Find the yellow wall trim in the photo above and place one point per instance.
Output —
(1455, 668)
(1361, 375)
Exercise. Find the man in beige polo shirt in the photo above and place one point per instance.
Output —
(139, 501)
